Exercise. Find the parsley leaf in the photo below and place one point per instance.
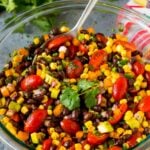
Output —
(70, 98)
(90, 97)
(85, 84)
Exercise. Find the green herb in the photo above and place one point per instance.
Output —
(122, 62)
(70, 98)
(85, 84)
(90, 97)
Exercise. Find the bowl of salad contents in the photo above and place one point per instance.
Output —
(85, 92)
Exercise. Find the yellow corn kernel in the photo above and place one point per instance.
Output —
(67, 43)
(75, 42)
(120, 131)
(88, 124)
(123, 101)
(64, 29)
(126, 145)
(51, 130)
(54, 92)
(87, 37)
(107, 73)
(128, 115)
(139, 140)
(46, 37)
(79, 134)
(45, 99)
(34, 138)
(110, 90)
(110, 42)
(5, 120)
(78, 146)
(41, 107)
(144, 85)
(85, 70)
(20, 100)
(62, 134)
(72, 80)
(108, 49)
(140, 77)
(62, 55)
(54, 135)
(127, 68)
(53, 65)
(127, 132)
(114, 135)
(119, 48)
(39, 147)
(84, 76)
(123, 53)
(56, 142)
(145, 124)
(144, 136)
(11, 128)
(137, 99)
(2, 101)
(148, 92)
(58, 110)
(9, 72)
(107, 82)
(147, 67)
(103, 67)
(50, 112)
(24, 109)
(121, 37)
(2, 111)
(91, 30)
(62, 148)
(142, 93)
(36, 40)
(87, 147)
(4, 91)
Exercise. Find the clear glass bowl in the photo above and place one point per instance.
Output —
(105, 18)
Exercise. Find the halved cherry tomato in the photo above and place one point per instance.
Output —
(47, 144)
(138, 68)
(31, 82)
(98, 58)
(72, 51)
(35, 120)
(119, 88)
(144, 104)
(70, 126)
(148, 115)
(115, 148)
(133, 139)
(74, 69)
(58, 40)
(127, 45)
(118, 113)
(15, 117)
(96, 139)
(147, 76)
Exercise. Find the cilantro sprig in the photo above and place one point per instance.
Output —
(70, 98)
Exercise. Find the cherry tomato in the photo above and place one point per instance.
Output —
(138, 68)
(115, 148)
(120, 88)
(147, 76)
(70, 126)
(72, 51)
(98, 58)
(15, 117)
(101, 38)
(117, 116)
(31, 82)
(74, 69)
(58, 40)
(144, 104)
(127, 45)
(133, 139)
(96, 139)
(47, 144)
(35, 120)
(148, 115)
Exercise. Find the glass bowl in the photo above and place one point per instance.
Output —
(105, 18)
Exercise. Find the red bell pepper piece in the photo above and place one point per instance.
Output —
(58, 40)
(115, 148)
(138, 68)
(144, 104)
(47, 144)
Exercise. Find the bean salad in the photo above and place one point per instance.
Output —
(89, 92)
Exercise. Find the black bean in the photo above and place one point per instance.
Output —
(53, 147)
(133, 60)
(120, 69)
(2, 74)
(87, 116)
(119, 142)
(110, 57)
(134, 53)
(46, 86)
(97, 108)
(32, 69)
(126, 137)
(27, 95)
(113, 36)
(38, 96)
(43, 130)
(84, 31)
(2, 81)
(101, 45)
(9, 79)
(38, 51)
(58, 129)
(7, 102)
(14, 96)
(31, 101)
(65, 112)
(131, 82)
(47, 123)
(55, 31)
(147, 130)
(27, 63)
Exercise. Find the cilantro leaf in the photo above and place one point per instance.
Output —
(70, 98)
(85, 84)
(90, 97)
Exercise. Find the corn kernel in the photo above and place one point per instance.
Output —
(84, 76)
(139, 139)
(126, 145)
(123, 101)
(108, 49)
(148, 92)
(147, 67)
(120, 130)
(39, 147)
(107, 72)
(119, 48)
(41, 107)
(64, 29)
(109, 42)
(51, 130)
(128, 115)
(54, 135)
(20, 100)
(87, 147)
(85, 70)
(62, 148)
(75, 42)
(145, 124)
(53, 65)
(87, 37)
(50, 112)
(143, 85)
(24, 109)
(142, 93)
(62, 134)
(36, 40)
(127, 68)
(110, 89)
(2, 111)
(78, 146)
(72, 80)
(56, 142)
(127, 132)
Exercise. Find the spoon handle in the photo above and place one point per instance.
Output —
(85, 14)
